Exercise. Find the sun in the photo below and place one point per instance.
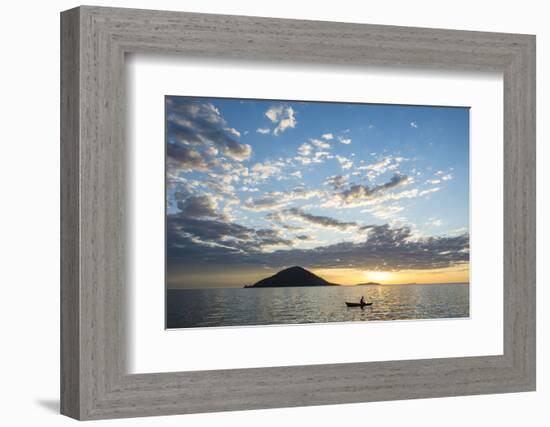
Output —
(378, 276)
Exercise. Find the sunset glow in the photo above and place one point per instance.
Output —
(350, 276)
(378, 276)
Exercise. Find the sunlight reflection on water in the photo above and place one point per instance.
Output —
(271, 306)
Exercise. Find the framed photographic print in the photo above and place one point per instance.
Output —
(345, 212)
(347, 191)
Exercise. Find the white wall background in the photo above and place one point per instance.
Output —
(29, 190)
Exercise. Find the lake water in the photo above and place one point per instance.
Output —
(193, 308)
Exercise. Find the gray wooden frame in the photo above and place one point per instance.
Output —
(94, 382)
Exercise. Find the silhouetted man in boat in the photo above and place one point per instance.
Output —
(362, 302)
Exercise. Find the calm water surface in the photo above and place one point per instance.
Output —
(270, 306)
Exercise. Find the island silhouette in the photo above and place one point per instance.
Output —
(295, 276)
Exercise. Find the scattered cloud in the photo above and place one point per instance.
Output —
(319, 156)
(345, 163)
(249, 189)
(303, 160)
(263, 131)
(327, 136)
(233, 131)
(305, 149)
(337, 182)
(444, 176)
(211, 151)
(283, 117)
(413, 124)
(435, 222)
(318, 220)
(278, 218)
(362, 195)
(344, 140)
(203, 206)
(384, 212)
(320, 144)
(387, 164)
(278, 199)
(357, 193)
(187, 158)
(429, 191)
(265, 170)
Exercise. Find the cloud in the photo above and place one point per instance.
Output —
(262, 171)
(305, 149)
(274, 113)
(343, 140)
(280, 220)
(211, 151)
(359, 195)
(278, 199)
(413, 124)
(249, 189)
(195, 242)
(206, 239)
(337, 182)
(320, 144)
(428, 191)
(345, 163)
(358, 191)
(283, 116)
(263, 131)
(265, 203)
(233, 131)
(203, 206)
(307, 155)
(384, 212)
(379, 167)
(435, 222)
(219, 186)
(327, 136)
(319, 156)
(197, 238)
(194, 122)
(187, 158)
(318, 220)
(444, 176)
(386, 164)
(303, 160)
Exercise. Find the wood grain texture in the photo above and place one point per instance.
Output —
(70, 291)
(95, 383)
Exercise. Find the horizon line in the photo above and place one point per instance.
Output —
(321, 286)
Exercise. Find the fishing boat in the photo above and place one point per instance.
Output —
(358, 304)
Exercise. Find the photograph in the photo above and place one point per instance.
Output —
(283, 212)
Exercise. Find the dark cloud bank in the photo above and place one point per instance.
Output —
(204, 241)
(195, 126)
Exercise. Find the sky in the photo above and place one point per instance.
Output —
(352, 192)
